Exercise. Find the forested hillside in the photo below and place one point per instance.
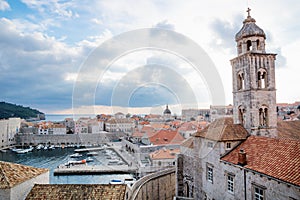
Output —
(8, 110)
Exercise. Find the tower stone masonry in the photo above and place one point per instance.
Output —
(253, 72)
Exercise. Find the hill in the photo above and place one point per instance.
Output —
(8, 110)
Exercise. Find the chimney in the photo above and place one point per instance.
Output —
(242, 159)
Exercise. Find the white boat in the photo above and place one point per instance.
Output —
(92, 153)
(21, 151)
(39, 147)
(88, 159)
(75, 155)
(114, 162)
(75, 162)
(51, 147)
(129, 181)
(116, 181)
(45, 147)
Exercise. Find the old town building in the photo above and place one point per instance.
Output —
(247, 156)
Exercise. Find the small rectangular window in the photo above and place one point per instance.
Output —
(230, 184)
(209, 144)
(210, 174)
(259, 193)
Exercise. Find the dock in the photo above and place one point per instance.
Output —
(97, 169)
(90, 149)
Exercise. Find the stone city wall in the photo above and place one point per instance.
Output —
(160, 185)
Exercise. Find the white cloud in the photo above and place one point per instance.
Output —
(4, 5)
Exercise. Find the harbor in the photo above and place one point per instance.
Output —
(95, 165)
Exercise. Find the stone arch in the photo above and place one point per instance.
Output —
(241, 81)
(263, 116)
(241, 115)
(187, 189)
(262, 81)
(249, 45)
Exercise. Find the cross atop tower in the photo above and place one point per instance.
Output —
(248, 11)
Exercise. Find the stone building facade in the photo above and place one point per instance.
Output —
(8, 129)
(243, 157)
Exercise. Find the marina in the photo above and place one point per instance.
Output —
(91, 168)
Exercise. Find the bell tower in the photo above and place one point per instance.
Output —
(253, 72)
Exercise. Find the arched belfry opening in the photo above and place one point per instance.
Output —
(242, 113)
(263, 117)
(249, 45)
(241, 81)
(262, 79)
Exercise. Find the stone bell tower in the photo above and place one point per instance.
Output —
(253, 72)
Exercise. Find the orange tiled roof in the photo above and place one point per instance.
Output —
(164, 154)
(166, 137)
(12, 174)
(223, 129)
(288, 129)
(279, 158)
(77, 191)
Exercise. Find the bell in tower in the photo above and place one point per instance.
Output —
(253, 72)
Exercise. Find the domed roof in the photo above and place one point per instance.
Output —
(249, 29)
(167, 111)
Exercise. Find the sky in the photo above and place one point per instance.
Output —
(50, 52)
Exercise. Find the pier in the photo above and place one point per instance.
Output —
(90, 149)
(89, 169)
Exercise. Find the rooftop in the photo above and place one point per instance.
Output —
(77, 191)
(278, 158)
(223, 129)
(163, 137)
(13, 174)
(289, 129)
(164, 154)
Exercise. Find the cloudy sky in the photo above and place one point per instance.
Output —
(45, 47)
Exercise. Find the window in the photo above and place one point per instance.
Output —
(263, 117)
(228, 145)
(258, 192)
(230, 182)
(241, 81)
(209, 144)
(210, 172)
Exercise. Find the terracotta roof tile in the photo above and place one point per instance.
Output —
(12, 174)
(276, 157)
(223, 129)
(163, 137)
(164, 154)
(288, 129)
(77, 191)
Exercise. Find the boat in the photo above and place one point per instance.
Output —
(88, 159)
(76, 155)
(75, 162)
(51, 147)
(114, 162)
(39, 147)
(21, 151)
(116, 181)
(92, 153)
(45, 147)
(129, 181)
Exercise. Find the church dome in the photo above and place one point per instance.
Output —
(249, 29)
(167, 111)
